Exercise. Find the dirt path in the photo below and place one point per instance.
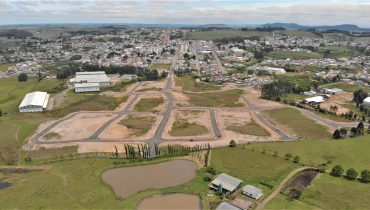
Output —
(277, 190)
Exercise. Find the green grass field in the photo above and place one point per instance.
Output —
(297, 123)
(160, 66)
(140, 125)
(339, 52)
(250, 129)
(284, 202)
(278, 55)
(298, 33)
(13, 92)
(46, 153)
(4, 67)
(8, 143)
(148, 104)
(330, 192)
(229, 98)
(211, 35)
(189, 84)
(184, 128)
(293, 97)
(344, 86)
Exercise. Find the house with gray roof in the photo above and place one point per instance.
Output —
(252, 191)
(229, 184)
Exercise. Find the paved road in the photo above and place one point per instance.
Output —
(283, 136)
(277, 190)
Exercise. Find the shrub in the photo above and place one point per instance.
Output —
(322, 169)
(288, 156)
(351, 174)
(296, 159)
(365, 176)
(337, 170)
(232, 143)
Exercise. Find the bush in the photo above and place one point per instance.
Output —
(211, 170)
(232, 143)
(207, 178)
(296, 159)
(322, 169)
(365, 176)
(351, 174)
(276, 154)
(337, 170)
(288, 156)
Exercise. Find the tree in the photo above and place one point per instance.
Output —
(343, 132)
(365, 176)
(337, 170)
(359, 96)
(351, 174)
(232, 143)
(336, 134)
(22, 77)
(360, 127)
(296, 159)
(288, 156)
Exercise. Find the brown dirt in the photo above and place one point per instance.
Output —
(200, 117)
(116, 131)
(180, 99)
(151, 84)
(230, 117)
(258, 102)
(114, 78)
(301, 181)
(80, 126)
(338, 100)
(159, 108)
(123, 105)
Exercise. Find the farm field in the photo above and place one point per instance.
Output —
(13, 92)
(189, 84)
(160, 66)
(346, 87)
(296, 123)
(350, 152)
(211, 35)
(229, 98)
(330, 192)
(278, 55)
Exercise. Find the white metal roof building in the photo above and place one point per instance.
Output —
(129, 76)
(316, 99)
(87, 87)
(252, 191)
(91, 77)
(229, 183)
(333, 91)
(366, 101)
(34, 102)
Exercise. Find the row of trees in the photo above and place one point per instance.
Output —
(351, 173)
(355, 131)
(276, 89)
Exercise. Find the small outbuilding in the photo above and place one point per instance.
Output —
(333, 91)
(34, 102)
(366, 101)
(87, 87)
(228, 183)
(252, 191)
(316, 99)
(129, 76)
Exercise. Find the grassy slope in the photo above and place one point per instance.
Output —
(8, 142)
(350, 152)
(297, 123)
(292, 55)
(339, 52)
(330, 192)
(148, 104)
(210, 35)
(228, 98)
(343, 86)
(4, 67)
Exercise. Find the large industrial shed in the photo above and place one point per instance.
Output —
(87, 87)
(226, 183)
(91, 77)
(34, 102)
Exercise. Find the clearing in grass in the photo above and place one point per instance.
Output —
(229, 98)
(8, 143)
(137, 124)
(297, 123)
(148, 104)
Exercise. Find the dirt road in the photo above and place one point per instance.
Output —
(277, 190)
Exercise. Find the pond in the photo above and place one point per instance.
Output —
(130, 180)
(4, 185)
(171, 201)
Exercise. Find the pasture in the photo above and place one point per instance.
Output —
(296, 123)
(211, 35)
(229, 98)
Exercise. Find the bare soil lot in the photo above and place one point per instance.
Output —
(180, 98)
(118, 131)
(191, 117)
(338, 100)
(151, 87)
(78, 127)
(227, 118)
(300, 182)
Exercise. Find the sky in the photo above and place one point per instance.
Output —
(237, 12)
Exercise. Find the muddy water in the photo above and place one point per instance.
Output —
(4, 185)
(130, 180)
(171, 201)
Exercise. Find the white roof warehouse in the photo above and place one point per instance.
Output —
(34, 102)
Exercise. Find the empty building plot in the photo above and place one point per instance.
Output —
(34, 102)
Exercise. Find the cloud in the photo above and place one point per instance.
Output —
(26, 3)
(48, 2)
(72, 2)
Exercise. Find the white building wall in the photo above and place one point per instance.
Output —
(86, 89)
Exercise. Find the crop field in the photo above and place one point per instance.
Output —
(148, 104)
(211, 35)
(297, 123)
(228, 98)
(160, 66)
(139, 125)
(189, 84)
(13, 92)
(346, 87)
(278, 55)
(330, 192)
(250, 129)
(298, 33)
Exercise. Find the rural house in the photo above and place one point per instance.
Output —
(252, 192)
(228, 183)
